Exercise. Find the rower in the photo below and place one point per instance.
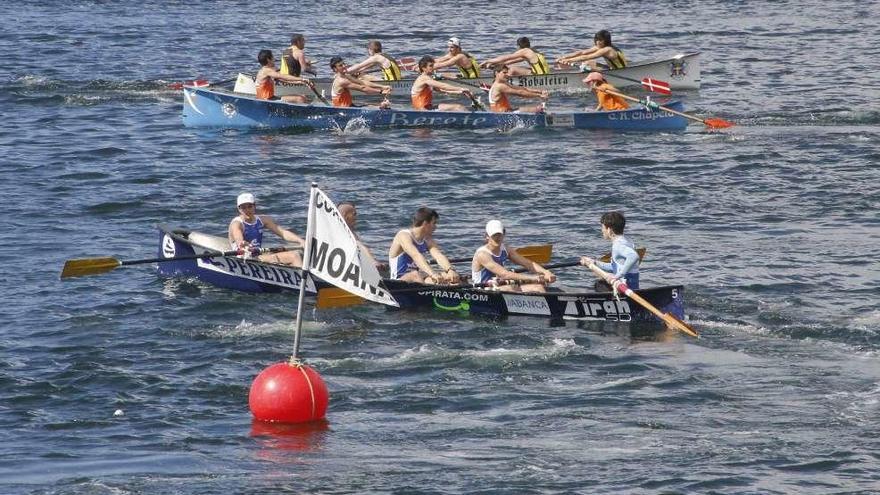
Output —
(293, 58)
(487, 266)
(343, 83)
(422, 90)
(602, 88)
(498, 101)
(246, 232)
(267, 75)
(536, 60)
(348, 212)
(603, 48)
(624, 257)
(466, 64)
(390, 69)
(406, 258)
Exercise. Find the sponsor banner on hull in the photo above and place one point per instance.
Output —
(258, 272)
(600, 309)
(528, 305)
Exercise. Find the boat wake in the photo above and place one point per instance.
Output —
(43, 90)
(357, 126)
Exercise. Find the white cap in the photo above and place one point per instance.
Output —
(454, 42)
(244, 198)
(494, 227)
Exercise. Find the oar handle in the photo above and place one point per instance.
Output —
(670, 320)
(311, 86)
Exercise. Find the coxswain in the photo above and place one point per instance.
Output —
(605, 93)
(267, 75)
(344, 83)
(422, 90)
(293, 59)
(406, 258)
(536, 60)
(602, 48)
(498, 101)
(387, 64)
(487, 266)
(624, 257)
(246, 232)
(467, 65)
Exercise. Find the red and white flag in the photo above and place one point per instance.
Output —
(656, 86)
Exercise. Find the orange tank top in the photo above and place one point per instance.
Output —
(266, 89)
(342, 98)
(608, 101)
(423, 100)
(498, 101)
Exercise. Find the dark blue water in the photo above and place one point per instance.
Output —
(772, 226)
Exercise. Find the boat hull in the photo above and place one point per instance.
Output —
(598, 306)
(218, 108)
(229, 272)
(681, 72)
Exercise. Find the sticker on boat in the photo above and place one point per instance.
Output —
(530, 305)
(168, 249)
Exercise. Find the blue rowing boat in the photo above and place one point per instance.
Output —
(229, 272)
(204, 107)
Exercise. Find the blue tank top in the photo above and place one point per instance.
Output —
(253, 232)
(403, 263)
(484, 275)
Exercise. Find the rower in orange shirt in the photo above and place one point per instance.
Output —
(498, 101)
(607, 101)
(422, 90)
(267, 75)
(343, 83)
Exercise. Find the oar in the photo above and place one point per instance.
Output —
(714, 123)
(566, 264)
(95, 266)
(481, 86)
(311, 86)
(670, 320)
(408, 64)
(539, 253)
(200, 83)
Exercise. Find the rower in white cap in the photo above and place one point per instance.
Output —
(246, 232)
(466, 64)
(487, 266)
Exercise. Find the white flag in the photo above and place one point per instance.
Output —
(335, 256)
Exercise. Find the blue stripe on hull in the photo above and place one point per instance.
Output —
(207, 108)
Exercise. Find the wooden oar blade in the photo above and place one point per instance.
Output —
(657, 86)
(539, 254)
(333, 297)
(676, 324)
(716, 123)
(89, 266)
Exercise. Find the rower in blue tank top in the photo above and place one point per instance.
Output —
(483, 275)
(409, 248)
(403, 262)
(253, 232)
(624, 258)
(246, 232)
(487, 266)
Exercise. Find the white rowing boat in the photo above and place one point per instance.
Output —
(681, 71)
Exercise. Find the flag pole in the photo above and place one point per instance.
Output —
(305, 275)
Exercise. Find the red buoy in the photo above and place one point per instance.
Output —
(288, 393)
